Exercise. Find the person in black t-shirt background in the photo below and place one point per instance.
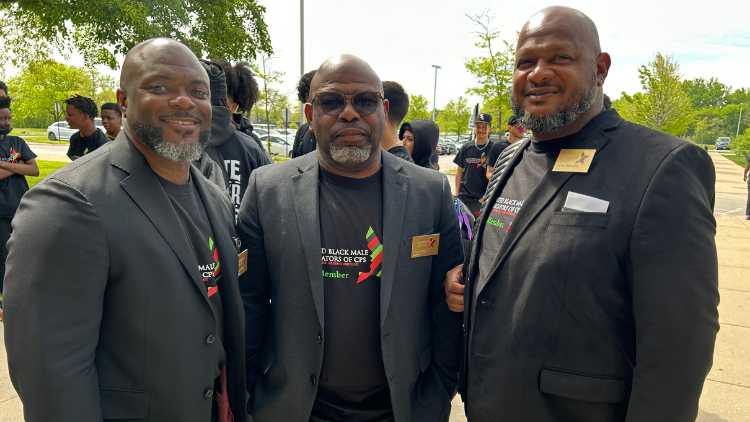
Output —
(80, 113)
(471, 177)
(516, 132)
(398, 101)
(16, 162)
(242, 94)
(304, 139)
(111, 119)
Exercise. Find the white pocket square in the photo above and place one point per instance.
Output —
(578, 202)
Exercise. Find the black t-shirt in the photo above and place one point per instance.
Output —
(353, 386)
(241, 155)
(537, 160)
(82, 145)
(473, 160)
(199, 237)
(13, 150)
(401, 152)
(495, 151)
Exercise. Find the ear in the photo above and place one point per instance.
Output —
(603, 62)
(386, 106)
(308, 109)
(122, 99)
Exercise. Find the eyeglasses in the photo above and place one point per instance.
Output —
(333, 103)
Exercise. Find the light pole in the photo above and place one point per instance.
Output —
(301, 55)
(434, 92)
(738, 123)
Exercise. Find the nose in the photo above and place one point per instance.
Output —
(349, 114)
(182, 101)
(540, 73)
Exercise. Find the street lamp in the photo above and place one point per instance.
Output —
(301, 55)
(434, 92)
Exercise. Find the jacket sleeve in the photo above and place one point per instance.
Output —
(254, 284)
(57, 271)
(446, 325)
(674, 282)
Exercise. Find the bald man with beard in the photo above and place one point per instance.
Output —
(122, 300)
(349, 247)
(591, 290)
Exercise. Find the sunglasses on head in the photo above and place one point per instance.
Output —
(334, 103)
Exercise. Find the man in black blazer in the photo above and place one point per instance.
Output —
(348, 251)
(592, 283)
(122, 300)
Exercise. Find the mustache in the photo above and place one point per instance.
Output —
(360, 130)
(182, 115)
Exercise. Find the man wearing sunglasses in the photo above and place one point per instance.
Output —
(357, 330)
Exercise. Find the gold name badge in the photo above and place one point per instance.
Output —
(242, 261)
(574, 160)
(426, 245)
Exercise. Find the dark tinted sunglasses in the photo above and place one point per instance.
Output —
(334, 103)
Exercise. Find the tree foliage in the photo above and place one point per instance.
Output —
(418, 108)
(454, 118)
(706, 92)
(42, 83)
(103, 29)
(664, 103)
(494, 69)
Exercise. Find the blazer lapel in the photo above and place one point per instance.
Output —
(395, 205)
(593, 136)
(144, 189)
(306, 207)
(487, 206)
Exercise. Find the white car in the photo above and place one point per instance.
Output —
(279, 146)
(61, 131)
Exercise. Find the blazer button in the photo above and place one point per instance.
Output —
(210, 339)
(484, 302)
(208, 394)
(313, 380)
(319, 339)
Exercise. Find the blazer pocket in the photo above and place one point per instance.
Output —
(589, 219)
(123, 404)
(582, 387)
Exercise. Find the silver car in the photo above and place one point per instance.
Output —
(61, 131)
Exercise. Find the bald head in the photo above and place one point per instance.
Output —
(164, 51)
(580, 28)
(347, 114)
(344, 67)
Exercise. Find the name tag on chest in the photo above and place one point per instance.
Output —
(574, 160)
(426, 245)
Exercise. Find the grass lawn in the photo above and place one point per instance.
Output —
(45, 168)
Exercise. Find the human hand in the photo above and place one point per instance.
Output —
(454, 289)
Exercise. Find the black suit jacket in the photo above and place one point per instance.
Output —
(106, 318)
(601, 317)
(283, 291)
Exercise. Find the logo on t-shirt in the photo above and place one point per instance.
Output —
(211, 272)
(503, 212)
(341, 263)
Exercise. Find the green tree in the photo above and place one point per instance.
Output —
(663, 105)
(706, 92)
(103, 29)
(494, 70)
(43, 83)
(418, 109)
(454, 118)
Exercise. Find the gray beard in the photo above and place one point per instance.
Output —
(557, 120)
(350, 155)
(154, 139)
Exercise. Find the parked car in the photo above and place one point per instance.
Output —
(279, 145)
(722, 143)
(61, 131)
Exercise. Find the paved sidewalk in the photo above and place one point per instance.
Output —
(726, 395)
